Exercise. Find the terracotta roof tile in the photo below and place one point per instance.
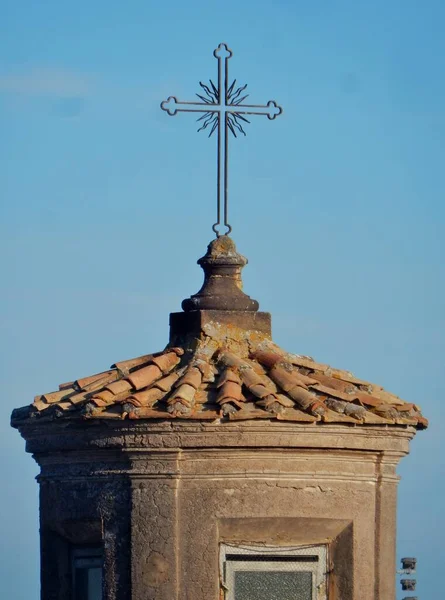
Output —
(126, 365)
(98, 402)
(304, 361)
(271, 404)
(268, 358)
(333, 383)
(146, 397)
(185, 393)
(58, 396)
(64, 406)
(79, 397)
(166, 383)
(329, 416)
(405, 407)
(284, 400)
(367, 399)
(230, 390)
(334, 393)
(385, 396)
(286, 379)
(206, 397)
(228, 375)
(260, 390)
(299, 416)
(192, 376)
(144, 377)
(63, 386)
(95, 380)
(249, 412)
(218, 377)
(167, 361)
(371, 418)
(208, 371)
(422, 422)
(145, 412)
(39, 404)
(347, 376)
(119, 387)
(105, 395)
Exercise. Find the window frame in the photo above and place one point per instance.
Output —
(86, 557)
(312, 558)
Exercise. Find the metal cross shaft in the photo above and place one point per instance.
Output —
(223, 112)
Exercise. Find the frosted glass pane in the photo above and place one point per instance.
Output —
(273, 585)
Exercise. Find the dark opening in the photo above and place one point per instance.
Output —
(270, 558)
(87, 567)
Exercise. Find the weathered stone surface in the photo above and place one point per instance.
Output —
(164, 495)
(79, 506)
(184, 325)
(222, 287)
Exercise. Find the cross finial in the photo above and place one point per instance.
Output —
(223, 111)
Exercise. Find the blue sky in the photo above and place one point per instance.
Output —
(107, 203)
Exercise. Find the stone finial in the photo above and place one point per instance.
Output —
(222, 287)
(408, 585)
(409, 563)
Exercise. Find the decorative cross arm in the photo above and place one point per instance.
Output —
(172, 106)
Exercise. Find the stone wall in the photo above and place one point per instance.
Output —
(163, 496)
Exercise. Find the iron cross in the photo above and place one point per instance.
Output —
(223, 112)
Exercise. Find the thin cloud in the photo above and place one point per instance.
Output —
(60, 83)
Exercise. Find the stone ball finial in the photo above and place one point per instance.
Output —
(222, 287)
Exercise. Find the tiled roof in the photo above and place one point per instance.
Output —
(226, 375)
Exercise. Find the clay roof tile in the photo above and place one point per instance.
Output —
(146, 397)
(126, 365)
(184, 394)
(105, 395)
(166, 383)
(78, 398)
(119, 387)
(286, 379)
(332, 382)
(208, 371)
(192, 376)
(222, 379)
(98, 378)
(167, 361)
(230, 390)
(39, 404)
(297, 416)
(68, 384)
(330, 416)
(145, 376)
(58, 396)
(228, 375)
(328, 391)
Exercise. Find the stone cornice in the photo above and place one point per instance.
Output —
(142, 435)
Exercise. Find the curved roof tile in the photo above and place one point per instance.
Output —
(227, 378)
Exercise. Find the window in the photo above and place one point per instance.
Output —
(87, 565)
(264, 573)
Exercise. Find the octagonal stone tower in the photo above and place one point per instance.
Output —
(222, 467)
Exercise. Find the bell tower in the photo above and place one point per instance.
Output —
(221, 467)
